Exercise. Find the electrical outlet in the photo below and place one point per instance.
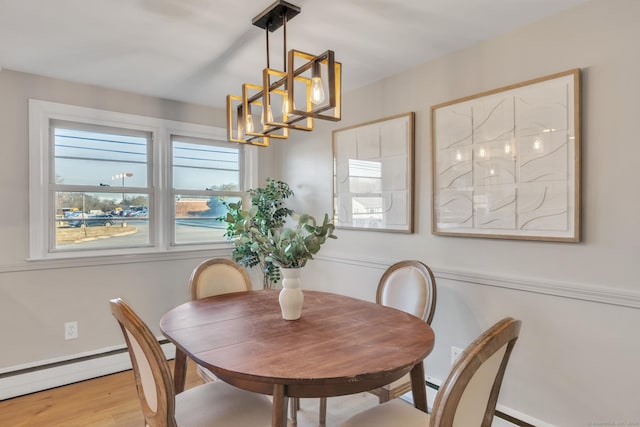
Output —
(455, 353)
(70, 330)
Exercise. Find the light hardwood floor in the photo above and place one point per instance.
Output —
(111, 401)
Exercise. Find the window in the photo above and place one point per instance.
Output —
(100, 187)
(106, 183)
(204, 176)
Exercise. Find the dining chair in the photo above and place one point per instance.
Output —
(469, 395)
(215, 276)
(218, 276)
(408, 286)
(411, 287)
(215, 403)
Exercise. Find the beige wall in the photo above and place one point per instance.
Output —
(577, 359)
(36, 298)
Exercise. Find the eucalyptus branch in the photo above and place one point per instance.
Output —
(261, 239)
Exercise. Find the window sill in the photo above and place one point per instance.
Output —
(222, 250)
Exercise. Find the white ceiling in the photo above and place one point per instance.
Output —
(200, 50)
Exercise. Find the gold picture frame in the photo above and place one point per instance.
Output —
(506, 163)
(373, 175)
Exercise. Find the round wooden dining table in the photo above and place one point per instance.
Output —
(340, 345)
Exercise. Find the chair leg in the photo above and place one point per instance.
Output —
(323, 411)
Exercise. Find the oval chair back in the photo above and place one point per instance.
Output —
(409, 286)
(218, 276)
(470, 393)
(151, 371)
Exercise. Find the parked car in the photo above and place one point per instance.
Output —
(93, 220)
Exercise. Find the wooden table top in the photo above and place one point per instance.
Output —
(338, 341)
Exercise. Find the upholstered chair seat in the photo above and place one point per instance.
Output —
(219, 404)
(393, 413)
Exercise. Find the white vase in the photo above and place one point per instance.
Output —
(291, 296)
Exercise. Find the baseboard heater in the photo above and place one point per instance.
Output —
(48, 375)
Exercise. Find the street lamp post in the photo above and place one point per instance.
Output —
(122, 176)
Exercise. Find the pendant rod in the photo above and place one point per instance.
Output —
(284, 44)
(266, 30)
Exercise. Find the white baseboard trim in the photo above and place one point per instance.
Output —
(504, 409)
(578, 291)
(522, 417)
(69, 371)
(56, 373)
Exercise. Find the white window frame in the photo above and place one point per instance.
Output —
(199, 192)
(41, 113)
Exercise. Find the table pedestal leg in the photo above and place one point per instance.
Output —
(323, 412)
(280, 400)
(418, 388)
(179, 371)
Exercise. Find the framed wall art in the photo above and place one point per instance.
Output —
(373, 175)
(505, 163)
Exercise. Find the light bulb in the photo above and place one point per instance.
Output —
(507, 148)
(481, 152)
(269, 116)
(286, 107)
(458, 155)
(249, 123)
(317, 91)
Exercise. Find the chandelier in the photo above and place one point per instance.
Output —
(307, 88)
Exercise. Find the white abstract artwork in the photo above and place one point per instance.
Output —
(373, 175)
(506, 162)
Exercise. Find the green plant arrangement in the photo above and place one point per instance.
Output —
(261, 239)
(292, 248)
